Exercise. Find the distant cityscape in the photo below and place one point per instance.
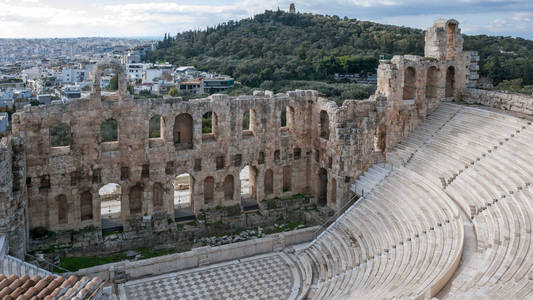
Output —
(39, 71)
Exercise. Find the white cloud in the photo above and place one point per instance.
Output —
(37, 18)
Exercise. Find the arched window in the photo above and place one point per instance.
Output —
(290, 117)
(183, 131)
(109, 130)
(59, 135)
(450, 41)
(450, 82)
(157, 196)
(246, 120)
(62, 209)
(283, 116)
(269, 182)
(209, 190)
(380, 138)
(409, 83)
(322, 187)
(432, 82)
(86, 206)
(155, 127)
(324, 124)
(228, 187)
(333, 191)
(209, 123)
(287, 174)
(136, 200)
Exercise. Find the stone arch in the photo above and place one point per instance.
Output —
(450, 82)
(287, 178)
(283, 117)
(246, 120)
(86, 206)
(109, 130)
(209, 123)
(209, 190)
(156, 127)
(121, 78)
(290, 117)
(110, 205)
(409, 83)
(324, 124)
(158, 196)
(269, 182)
(136, 200)
(450, 40)
(183, 190)
(322, 193)
(183, 131)
(59, 135)
(62, 209)
(228, 187)
(432, 82)
(380, 139)
(333, 189)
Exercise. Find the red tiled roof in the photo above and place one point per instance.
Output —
(48, 288)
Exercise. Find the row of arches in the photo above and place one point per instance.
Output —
(432, 83)
(60, 135)
(184, 185)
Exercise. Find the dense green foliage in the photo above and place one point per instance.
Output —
(281, 46)
(276, 46)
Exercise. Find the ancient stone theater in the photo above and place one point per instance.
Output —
(429, 182)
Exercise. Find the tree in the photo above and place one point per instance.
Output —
(174, 92)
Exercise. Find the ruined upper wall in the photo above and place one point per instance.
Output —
(444, 41)
(13, 198)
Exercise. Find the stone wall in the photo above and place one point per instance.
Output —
(13, 197)
(320, 151)
(502, 100)
(200, 256)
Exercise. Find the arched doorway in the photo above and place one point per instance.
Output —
(450, 82)
(110, 206)
(247, 178)
(183, 132)
(228, 187)
(136, 200)
(322, 195)
(409, 84)
(380, 139)
(183, 185)
(432, 82)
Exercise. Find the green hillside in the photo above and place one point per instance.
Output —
(281, 47)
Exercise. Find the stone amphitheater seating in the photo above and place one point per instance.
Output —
(463, 167)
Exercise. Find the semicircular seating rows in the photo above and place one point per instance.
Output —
(462, 167)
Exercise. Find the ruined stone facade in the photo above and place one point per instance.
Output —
(320, 151)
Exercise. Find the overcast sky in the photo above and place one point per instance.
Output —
(74, 18)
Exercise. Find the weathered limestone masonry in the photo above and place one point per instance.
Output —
(322, 149)
(506, 101)
(13, 198)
